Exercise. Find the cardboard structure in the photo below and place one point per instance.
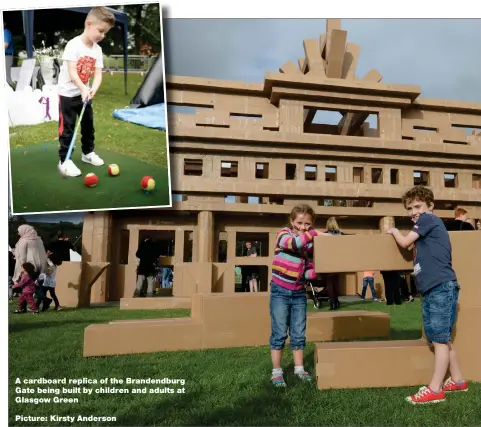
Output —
(221, 321)
(248, 152)
(399, 363)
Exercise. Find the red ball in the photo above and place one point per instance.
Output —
(91, 180)
(147, 183)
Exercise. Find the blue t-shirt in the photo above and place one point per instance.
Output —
(7, 37)
(432, 262)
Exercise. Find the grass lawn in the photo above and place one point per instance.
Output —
(138, 151)
(223, 387)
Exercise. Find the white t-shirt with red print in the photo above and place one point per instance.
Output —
(87, 60)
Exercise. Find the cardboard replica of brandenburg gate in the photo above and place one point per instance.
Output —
(243, 158)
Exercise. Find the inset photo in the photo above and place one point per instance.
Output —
(86, 108)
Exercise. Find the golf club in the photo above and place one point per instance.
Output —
(74, 137)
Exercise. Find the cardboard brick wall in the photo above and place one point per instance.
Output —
(399, 363)
(222, 321)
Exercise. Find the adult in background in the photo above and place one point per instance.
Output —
(61, 246)
(148, 254)
(11, 270)
(9, 51)
(29, 248)
(459, 223)
(392, 283)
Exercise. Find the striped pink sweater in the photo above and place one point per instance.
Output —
(292, 263)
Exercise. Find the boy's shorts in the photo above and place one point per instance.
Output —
(439, 307)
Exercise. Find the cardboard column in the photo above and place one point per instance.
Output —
(131, 268)
(96, 248)
(205, 236)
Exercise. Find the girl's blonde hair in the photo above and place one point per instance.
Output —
(332, 225)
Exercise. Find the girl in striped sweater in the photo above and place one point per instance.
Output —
(291, 267)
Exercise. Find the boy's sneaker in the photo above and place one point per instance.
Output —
(303, 376)
(278, 381)
(450, 386)
(426, 395)
(93, 159)
(68, 168)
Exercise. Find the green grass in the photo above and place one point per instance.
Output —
(223, 387)
(55, 193)
(112, 136)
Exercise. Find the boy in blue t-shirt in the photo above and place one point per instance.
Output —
(439, 288)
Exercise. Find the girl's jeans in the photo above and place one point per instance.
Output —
(288, 313)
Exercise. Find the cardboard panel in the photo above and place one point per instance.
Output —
(360, 253)
(467, 265)
(68, 283)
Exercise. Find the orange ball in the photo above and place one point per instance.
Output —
(147, 183)
(91, 180)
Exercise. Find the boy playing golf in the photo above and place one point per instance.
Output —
(439, 288)
(82, 58)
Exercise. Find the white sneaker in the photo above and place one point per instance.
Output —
(93, 159)
(68, 168)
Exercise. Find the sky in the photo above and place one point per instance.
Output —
(441, 56)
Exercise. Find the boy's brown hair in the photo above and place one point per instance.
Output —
(418, 192)
(101, 14)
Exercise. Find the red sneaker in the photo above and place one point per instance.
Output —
(450, 385)
(426, 395)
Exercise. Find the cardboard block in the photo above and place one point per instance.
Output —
(335, 53)
(345, 325)
(373, 364)
(383, 254)
(467, 341)
(145, 337)
(313, 57)
(351, 57)
(467, 265)
(155, 303)
(290, 68)
(236, 320)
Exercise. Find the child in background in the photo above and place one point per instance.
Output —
(288, 303)
(437, 283)
(28, 276)
(368, 279)
(53, 261)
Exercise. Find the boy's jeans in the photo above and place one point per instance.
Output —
(439, 307)
(288, 312)
(368, 281)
